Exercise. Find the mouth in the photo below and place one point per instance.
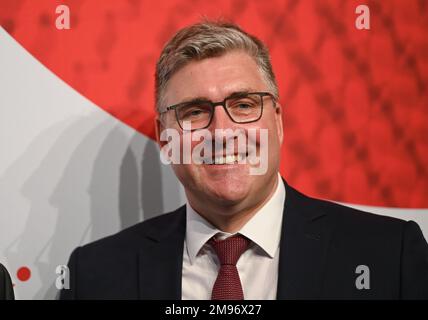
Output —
(228, 159)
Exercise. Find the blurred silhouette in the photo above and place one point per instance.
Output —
(6, 288)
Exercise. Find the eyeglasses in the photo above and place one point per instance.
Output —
(240, 107)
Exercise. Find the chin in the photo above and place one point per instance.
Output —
(224, 184)
(229, 191)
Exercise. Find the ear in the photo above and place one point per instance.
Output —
(279, 122)
(158, 130)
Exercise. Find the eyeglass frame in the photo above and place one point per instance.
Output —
(223, 104)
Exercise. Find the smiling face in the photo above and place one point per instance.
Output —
(214, 186)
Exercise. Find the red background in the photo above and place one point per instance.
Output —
(355, 101)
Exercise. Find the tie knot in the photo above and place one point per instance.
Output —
(230, 249)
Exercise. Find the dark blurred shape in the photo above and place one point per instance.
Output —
(6, 288)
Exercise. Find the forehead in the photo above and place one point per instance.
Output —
(215, 78)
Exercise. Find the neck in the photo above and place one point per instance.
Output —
(237, 214)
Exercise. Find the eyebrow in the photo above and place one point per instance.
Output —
(234, 94)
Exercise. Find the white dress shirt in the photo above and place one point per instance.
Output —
(257, 267)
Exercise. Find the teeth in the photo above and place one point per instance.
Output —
(219, 160)
(230, 159)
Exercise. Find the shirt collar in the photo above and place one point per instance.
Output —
(264, 228)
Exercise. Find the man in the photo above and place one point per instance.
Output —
(6, 288)
(243, 235)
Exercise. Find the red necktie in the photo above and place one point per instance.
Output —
(228, 284)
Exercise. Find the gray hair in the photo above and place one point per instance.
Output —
(209, 39)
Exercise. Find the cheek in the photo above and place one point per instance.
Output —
(274, 138)
(273, 146)
(275, 130)
(188, 175)
(177, 170)
(273, 133)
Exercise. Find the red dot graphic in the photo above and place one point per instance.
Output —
(23, 273)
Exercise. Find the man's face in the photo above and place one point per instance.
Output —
(215, 79)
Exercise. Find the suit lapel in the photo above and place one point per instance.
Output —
(161, 258)
(303, 247)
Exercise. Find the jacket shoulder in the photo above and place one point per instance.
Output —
(131, 237)
(343, 215)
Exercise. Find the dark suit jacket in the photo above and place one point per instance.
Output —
(6, 288)
(322, 244)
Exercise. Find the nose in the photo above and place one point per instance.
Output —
(221, 119)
